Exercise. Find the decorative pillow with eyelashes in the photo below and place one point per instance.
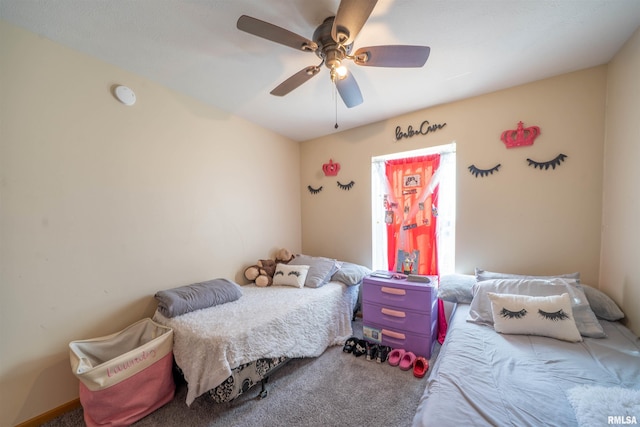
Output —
(290, 275)
(585, 319)
(549, 316)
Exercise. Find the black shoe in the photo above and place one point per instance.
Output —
(372, 351)
(383, 352)
(360, 348)
(350, 344)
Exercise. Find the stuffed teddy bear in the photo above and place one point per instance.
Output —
(284, 256)
(262, 272)
(267, 270)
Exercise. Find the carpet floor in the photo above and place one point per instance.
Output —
(335, 389)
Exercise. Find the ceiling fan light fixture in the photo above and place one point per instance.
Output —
(338, 72)
(332, 42)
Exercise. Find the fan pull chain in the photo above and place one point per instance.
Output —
(335, 100)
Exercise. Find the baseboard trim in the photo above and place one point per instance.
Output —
(49, 415)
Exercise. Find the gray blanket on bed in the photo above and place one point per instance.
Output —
(185, 299)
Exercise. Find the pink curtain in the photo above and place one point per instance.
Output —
(411, 213)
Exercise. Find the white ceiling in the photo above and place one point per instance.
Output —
(194, 47)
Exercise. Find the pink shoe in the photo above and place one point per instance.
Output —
(407, 360)
(420, 367)
(395, 356)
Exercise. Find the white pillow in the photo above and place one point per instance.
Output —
(480, 309)
(524, 315)
(290, 275)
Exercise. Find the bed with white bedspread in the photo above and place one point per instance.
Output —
(266, 322)
(486, 378)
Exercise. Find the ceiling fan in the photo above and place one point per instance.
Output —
(332, 43)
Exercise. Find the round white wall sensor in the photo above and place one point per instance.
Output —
(125, 95)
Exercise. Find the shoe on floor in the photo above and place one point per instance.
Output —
(360, 348)
(349, 344)
(420, 367)
(395, 356)
(372, 351)
(383, 353)
(407, 361)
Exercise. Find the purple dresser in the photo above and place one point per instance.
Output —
(400, 314)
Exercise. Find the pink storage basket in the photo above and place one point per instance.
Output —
(124, 376)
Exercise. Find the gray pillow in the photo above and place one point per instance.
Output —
(320, 269)
(456, 288)
(603, 306)
(480, 309)
(185, 299)
(488, 275)
(350, 274)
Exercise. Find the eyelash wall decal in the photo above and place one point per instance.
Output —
(556, 316)
(347, 187)
(508, 314)
(483, 172)
(314, 190)
(551, 163)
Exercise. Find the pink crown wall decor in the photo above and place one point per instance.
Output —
(521, 136)
(331, 169)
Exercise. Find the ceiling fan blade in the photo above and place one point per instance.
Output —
(275, 34)
(350, 18)
(349, 90)
(392, 56)
(296, 80)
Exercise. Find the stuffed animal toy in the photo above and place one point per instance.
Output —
(267, 270)
(262, 272)
(252, 272)
(284, 256)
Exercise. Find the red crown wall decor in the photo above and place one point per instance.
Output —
(331, 169)
(520, 136)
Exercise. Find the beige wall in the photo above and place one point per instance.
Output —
(619, 268)
(519, 219)
(102, 205)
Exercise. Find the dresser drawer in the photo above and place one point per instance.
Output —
(420, 345)
(399, 293)
(399, 317)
